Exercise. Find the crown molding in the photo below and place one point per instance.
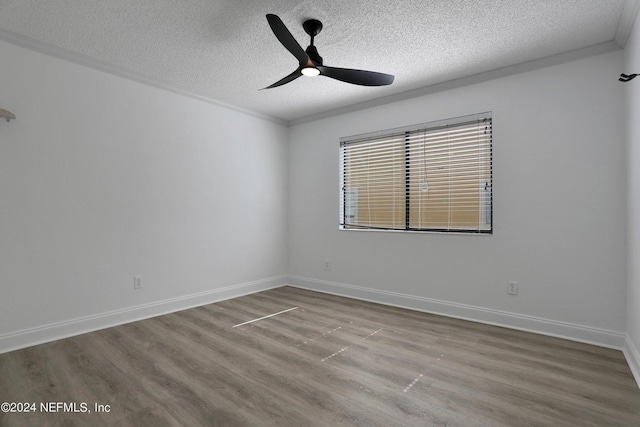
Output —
(630, 11)
(627, 19)
(86, 61)
(510, 70)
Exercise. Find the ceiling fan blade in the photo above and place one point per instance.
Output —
(291, 77)
(287, 40)
(357, 77)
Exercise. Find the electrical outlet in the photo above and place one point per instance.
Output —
(512, 289)
(137, 282)
(327, 264)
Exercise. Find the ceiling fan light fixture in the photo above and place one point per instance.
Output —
(310, 62)
(310, 71)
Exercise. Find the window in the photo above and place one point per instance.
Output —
(430, 177)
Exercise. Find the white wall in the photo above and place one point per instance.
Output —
(103, 178)
(632, 92)
(559, 208)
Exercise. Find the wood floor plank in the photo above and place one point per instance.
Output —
(555, 379)
(331, 361)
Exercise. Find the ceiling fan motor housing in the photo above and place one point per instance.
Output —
(314, 55)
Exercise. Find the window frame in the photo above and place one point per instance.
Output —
(485, 199)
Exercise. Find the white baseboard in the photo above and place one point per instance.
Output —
(51, 332)
(633, 358)
(570, 331)
(55, 331)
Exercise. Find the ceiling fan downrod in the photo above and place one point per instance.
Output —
(313, 28)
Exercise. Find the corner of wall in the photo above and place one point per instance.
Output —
(633, 358)
(632, 135)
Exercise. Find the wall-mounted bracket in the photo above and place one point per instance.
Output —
(4, 114)
(626, 78)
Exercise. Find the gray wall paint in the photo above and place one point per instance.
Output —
(632, 91)
(559, 200)
(103, 178)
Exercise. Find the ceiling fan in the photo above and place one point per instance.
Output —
(310, 62)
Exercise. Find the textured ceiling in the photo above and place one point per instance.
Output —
(224, 50)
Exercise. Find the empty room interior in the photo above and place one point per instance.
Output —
(319, 213)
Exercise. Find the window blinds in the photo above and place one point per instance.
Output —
(431, 177)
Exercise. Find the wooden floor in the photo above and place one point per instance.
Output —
(331, 361)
